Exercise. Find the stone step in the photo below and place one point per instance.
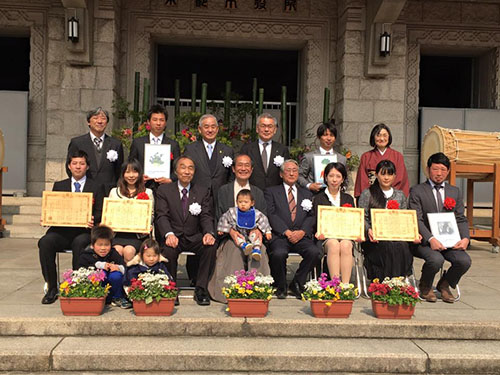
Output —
(30, 210)
(25, 219)
(26, 231)
(251, 354)
(21, 201)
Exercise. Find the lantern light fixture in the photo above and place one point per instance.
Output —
(385, 44)
(73, 29)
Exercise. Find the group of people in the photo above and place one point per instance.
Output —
(248, 210)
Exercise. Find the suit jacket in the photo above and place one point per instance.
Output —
(278, 212)
(260, 178)
(203, 176)
(169, 215)
(225, 199)
(137, 152)
(107, 172)
(423, 201)
(306, 170)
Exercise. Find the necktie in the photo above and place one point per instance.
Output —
(157, 141)
(77, 187)
(97, 142)
(264, 156)
(209, 148)
(184, 201)
(439, 199)
(291, 204)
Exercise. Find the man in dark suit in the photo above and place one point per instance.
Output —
(184, 219)
(289, 209)
(58, 239)
(213, 159)
(157, 117)
(428, 197)
(268, 155)
(105, 153)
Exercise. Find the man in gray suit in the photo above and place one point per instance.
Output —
(327, 134)
(428, 197)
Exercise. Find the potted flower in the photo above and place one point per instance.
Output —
(83, 292)
(152, 294)
(248, 293)
(329, 298)
(393, 298)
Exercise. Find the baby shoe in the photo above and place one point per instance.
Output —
(256, 254)
(246, 247)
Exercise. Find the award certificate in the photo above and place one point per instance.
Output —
(320, 162)
(444, 227)
(65, 209)
(394, 225)
(127, 215)
(345, 223)
(157, 160)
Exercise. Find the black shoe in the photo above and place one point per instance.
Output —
(176, 303)
(50, 297)
(201, 296)
(296, 289)
(281, 294)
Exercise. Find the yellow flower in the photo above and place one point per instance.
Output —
(64, 285)
(315, 291)
(249, 291)
(241, 291)
(328, 303)
(227, 308)
(269, 297)
(251, 282)
(376, 281)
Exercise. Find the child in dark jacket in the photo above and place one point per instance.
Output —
(102, 256)
(149, 259)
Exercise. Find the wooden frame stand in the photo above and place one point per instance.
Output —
(480, 173)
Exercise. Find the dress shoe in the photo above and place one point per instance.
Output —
(296, 289)
(427, 293)
(50, 297)
(201, 297)
(280, 294)
(444, 288)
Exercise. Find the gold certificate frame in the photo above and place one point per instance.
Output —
(127, 215)
(346, 223)
(394, 225)
(65, 209)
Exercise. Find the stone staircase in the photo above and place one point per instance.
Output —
(23, 217)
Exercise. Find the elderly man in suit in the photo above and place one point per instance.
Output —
(231, 258)
(327, 134)
(157, 117)
(105, 153)
(428, 197)
(184, 219)
(290, 213)
(213, 159)
(268, 155)
(58, 239)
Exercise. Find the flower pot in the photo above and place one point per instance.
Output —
(383, 310)
(337, 309)
(82, 306)
(248, 308)
(164, 307)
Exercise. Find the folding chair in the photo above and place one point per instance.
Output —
(66, 251)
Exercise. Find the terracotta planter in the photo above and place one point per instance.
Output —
(248, 308)
(82, 306)
(337, 309)
(164, 307)
(383, 310)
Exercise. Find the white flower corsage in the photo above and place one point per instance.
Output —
(195, 209)
(227, 161)
(278, 160)
(307, 205)
(112, 156)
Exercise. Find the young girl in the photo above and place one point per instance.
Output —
(130, 186)
(148, 259)
(386, 258)
(338, 251)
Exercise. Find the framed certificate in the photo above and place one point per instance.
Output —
(394, 225)
(345, 223)
(127, 215)
(444, 227)
(320, 162)
(65, 209)
(157, 160)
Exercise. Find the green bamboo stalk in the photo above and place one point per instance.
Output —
(145, 95)
(193, 92)
(177, 110)
(326, 105)
(261, 101)
(227, 104)
(137, 85)
(284, 138)
(203, 108)
(254, 103)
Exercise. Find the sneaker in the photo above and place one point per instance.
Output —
(116, 302)
(246, 247)
(126, 304)
(256, 254)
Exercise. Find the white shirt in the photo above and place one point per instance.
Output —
(434, 191)
(322, 151)
(238, 188)
(268, 149)
(205, 143)
(152, 138)
(81, 182)
(294, 192)
(92, 137)
(335, 201)
(388, 193)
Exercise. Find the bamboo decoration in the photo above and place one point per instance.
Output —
(137, 84)
(177, 110)
(145, 95)
(326, 105)
(203, 106)
(193, 92)
(227, 104)
(254, 103)
(261, 101)
(283, 120)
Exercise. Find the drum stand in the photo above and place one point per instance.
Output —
(480, 173)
